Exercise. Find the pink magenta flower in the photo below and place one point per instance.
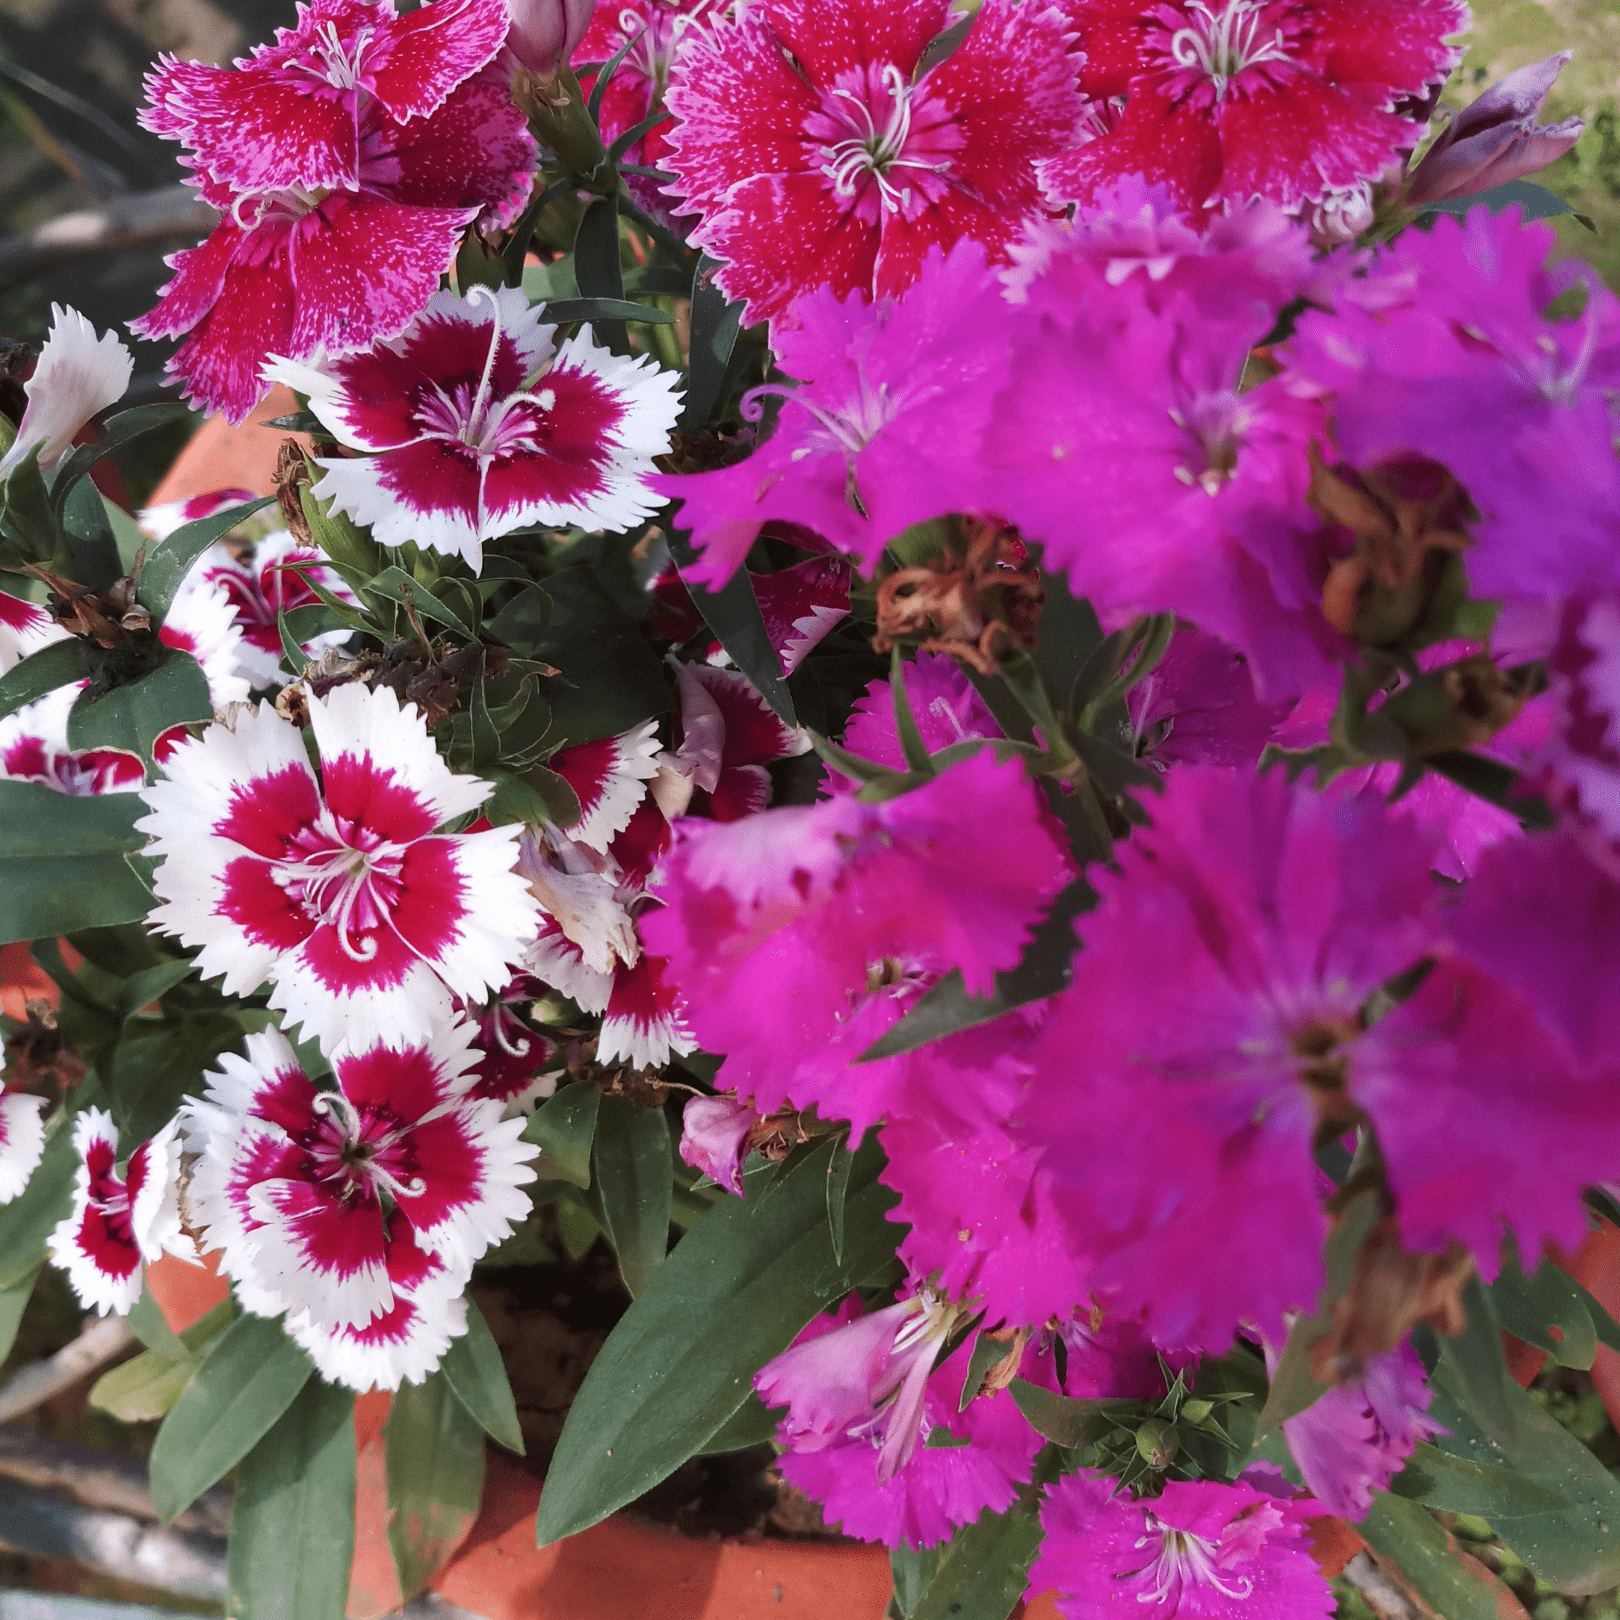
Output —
(729, 734)
(1581, 757)
(714, 1138)
(477, 423)
(799, 935)
(76, 375)
(989, 1451)
(1446, 352)
(118, 1221)
(943, 702)
(1201, 1551)
(335, 237)
(653, 29)
(1356, 1438)
(894, 397)
(1225, 100)
(1495, 138)
(1198, 706)
(802, 605)
(338, 889)
(818, 155)
(1125, 404)
(610, 779)
(258, 583)
(22, 1140)
(342, 1206)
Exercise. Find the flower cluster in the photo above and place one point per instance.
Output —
(1009, 621)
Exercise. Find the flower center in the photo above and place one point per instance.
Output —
(1184, 1560)
(1221, 45)
(868, 133)
(109, 1198)
(1213, 426)
(350, 889)
(358, 1152)
(327, 59)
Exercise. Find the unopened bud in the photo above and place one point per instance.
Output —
(1158, 1442)
(544, 33)
(1194, 1412)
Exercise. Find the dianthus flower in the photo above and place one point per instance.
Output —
(609, 778)
(1125, 444)
(477, 422)
(1198, 707)
(76, 375)
(643, 1023)
(24, 629)
(512, 1067)
(818, 155)
(1218, 1018)
(339, 890)
(202, 622)
(335, 238)
(1225, 100)
(118, 1222)
(653, 29)
(729, 734)
(162, 520)
(1356, 1438)
(894, 397)
(1581, 756)
(1201, 1551)
(802, 605)
(943, 702)
(259, 582)
(34, 748)
(358, 1210)
(799, 935)
(1446, 351)
(715, 1134)
(919, 1500)
(22, 1140)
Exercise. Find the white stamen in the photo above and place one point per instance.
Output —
(1184, 1559)
(872, 152)
(1224, 45)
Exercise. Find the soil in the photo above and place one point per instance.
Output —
(550, 1314)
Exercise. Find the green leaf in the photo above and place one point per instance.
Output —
(435, 1456)
(171, 560)
(596, 261)
(681, 1361)
(604, 309)
(90, 538)
(13, 1302)
(1403, 1534)
(1450, 1484)
(910, 1571)
(474, 1369)
(118, 430)
(987, 1352)
(982, 1572)
(1073, 1424)
(58, 663)
(1475, 1361)
(715, 323)
(1495, 783)
(838, 1168)
(733, 614)
(26, 516)
(33, 1214)
(292, 1519)
(348, 548)
(1528, 1307)
(133, 717)
(249, 1380)
(395, 585)
(752, 1424)
(1575, 1549)
(948, 1007)
(912, 747)
(148, 1323)
(1069, 634)
(143, 1389)
(1536, 201)
(565, 1126)
(630, 1158)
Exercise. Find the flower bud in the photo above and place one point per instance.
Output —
(1158, 1442)
(545, 33)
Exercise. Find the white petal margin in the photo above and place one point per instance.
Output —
(643, 1025)
(22, 1140)
(633, 763)
(555, 959)
(401, 1347)
(203, 623)
(354, 486)
(76, 375)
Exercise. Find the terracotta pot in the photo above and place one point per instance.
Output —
(219, 456)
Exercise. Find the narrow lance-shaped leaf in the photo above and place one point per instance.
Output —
(633, 1187)
(474, 1370)
(435, 1461)
(168, 563)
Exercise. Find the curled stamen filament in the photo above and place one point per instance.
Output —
(1223, 46)
(517, 1049)
(349, 1122)
(874, 153)
(1184, 1558)
(470, 433)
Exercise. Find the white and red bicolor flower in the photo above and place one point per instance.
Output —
(203, 622)
(477, 422)
(512, 1054)
(578, 893)
(257, 584)
(610, 780)
(76, 375)
(118, 1222)
(340, 890)
(346, 160)
(22, 1140)
(1228, 100)
(801, 605)
(162, 520)
(558, 961)
(34, 748)
(729, 734)
(359, 1210)
(24, 629)
(642, 1023)
(819, 152)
